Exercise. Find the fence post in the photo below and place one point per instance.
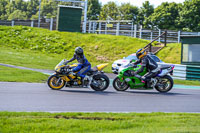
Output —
(179, 34)
(99, 27)
(150, 47)
(151, 35)
(140, 31)
(93, 27)
(13, 22)
(159, 35)
(105, 28)
(165, 37)
(32, 23)
(89, 27)
(117, 30)
(51, 24)
(132, 29)
(135, 31)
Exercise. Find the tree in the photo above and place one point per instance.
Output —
(109, 11)
(165, 15)
(128, 12)
(48, 8)
(145, 11)
(3, 4)
(17, 14)
(94, 8)
(32, 7)
(190, 15)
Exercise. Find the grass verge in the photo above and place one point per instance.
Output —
(18, 75)
(99, 122)
(187, 82)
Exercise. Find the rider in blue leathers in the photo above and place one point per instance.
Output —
(83, 64)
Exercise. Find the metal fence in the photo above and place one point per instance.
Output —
(127, 28)
(48, 24)
(123, 27)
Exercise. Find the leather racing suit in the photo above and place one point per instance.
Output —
(150, 64)
(83, 66)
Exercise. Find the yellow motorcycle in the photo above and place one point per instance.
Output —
(63, 76)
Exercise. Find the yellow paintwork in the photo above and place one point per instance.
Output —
(57, 68)
(65, 78)
(72, 76)
(73, 65)
(102, 66)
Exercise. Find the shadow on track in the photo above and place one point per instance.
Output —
(90, 92)
(157, 93)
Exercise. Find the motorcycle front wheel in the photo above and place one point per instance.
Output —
(120, 86)
(100, 82)
(55, 82)
(165, 84)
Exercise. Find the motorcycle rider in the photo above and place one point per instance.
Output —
(150, 64)
(83, 66)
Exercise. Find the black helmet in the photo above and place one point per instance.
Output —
(141, 53)
(79, 51)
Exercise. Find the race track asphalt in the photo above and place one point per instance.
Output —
(39, 97)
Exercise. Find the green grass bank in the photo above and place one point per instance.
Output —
(32, 122)
(97, 48)
(17, 75)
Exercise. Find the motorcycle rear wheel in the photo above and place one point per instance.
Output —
(167, 84)
(120, 86)
(102, 82)
(54, 84)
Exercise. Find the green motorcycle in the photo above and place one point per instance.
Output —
(124, 80)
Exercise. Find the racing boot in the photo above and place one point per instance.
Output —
(153, 82)
(85, 82)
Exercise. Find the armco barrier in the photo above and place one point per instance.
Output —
(192, 72)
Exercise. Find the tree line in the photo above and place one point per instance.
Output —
(183, 16)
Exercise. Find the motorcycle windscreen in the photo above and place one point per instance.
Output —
(60, 64)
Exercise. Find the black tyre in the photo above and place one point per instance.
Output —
(165, 84)
(120, 86)
(55, 82)
(100, 82)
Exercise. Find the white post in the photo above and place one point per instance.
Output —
(39, 14)
(89, 27)
(99, 27)
(179, 35)
(135, 31)
(85, 17)
(140, 31)
(93, 27)
(151, 35)
(132, 29)
(13, 22)
(32, 23)
(117, 30)
(105, 28)
(51, 24)
(159, 34)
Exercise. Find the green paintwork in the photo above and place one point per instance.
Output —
(192, 72)
(69, 19)
(190, 40)
(137, 83)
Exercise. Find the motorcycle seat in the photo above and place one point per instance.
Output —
(164, 67)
